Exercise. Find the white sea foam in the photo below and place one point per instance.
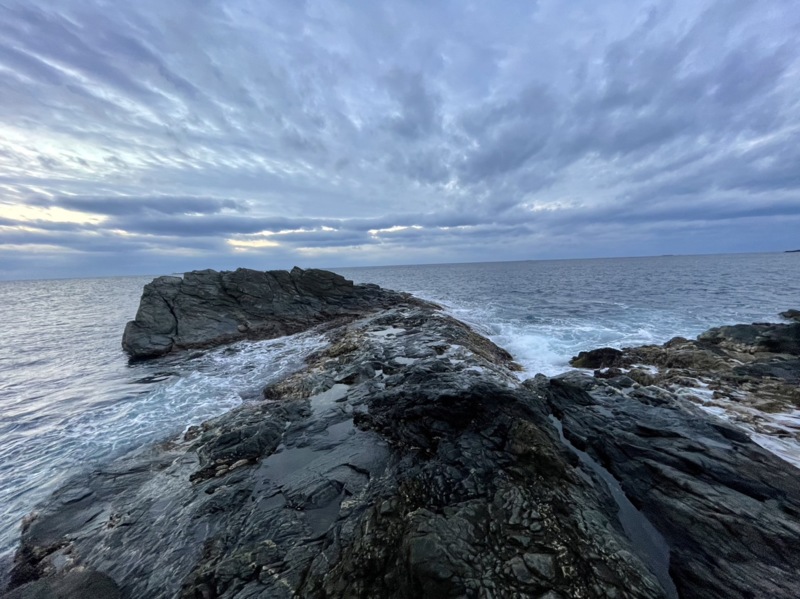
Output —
(778, 433)
(164, 398)
(218, 380)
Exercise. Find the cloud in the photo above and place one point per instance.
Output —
(126, 205)
(291, 132)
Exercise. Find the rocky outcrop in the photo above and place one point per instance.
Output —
(646, 417)
(727, 508)
(756, 338)
(750, 371)
(205, 308)
(605, 357)
(408, 460)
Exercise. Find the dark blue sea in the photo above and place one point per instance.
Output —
(69, 400)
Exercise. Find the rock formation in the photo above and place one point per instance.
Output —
(206, 308)
(791, 315)
(752, 372)
(407, 460)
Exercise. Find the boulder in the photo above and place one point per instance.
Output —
(605, 357)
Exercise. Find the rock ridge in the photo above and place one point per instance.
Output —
(407, 459)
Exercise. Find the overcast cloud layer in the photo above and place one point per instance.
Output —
(159, 136)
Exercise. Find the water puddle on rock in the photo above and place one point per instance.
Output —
(301, 475)
(647, 542)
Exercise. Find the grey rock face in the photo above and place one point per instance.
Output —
(87, 584)
(727, 508)
(207, 307)
(752, 338)
(750, 370)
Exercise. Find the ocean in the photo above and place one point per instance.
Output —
(69, 400)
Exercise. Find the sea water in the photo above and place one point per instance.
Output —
(545, 312)
(69, 400)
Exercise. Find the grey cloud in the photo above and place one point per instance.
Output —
(181, 225)
(75, 238)
(323, 239)
(55, 38)
(23, 64)
(186, 124)
(42, 225)
(418, 112)
(123, 206)
(221, 225)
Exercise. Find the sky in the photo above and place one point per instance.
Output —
(162, 136)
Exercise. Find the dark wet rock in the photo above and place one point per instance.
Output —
(205, 308)
(407, 460)
(751, 367)
(605, 357)
(727, 508)
(791, 315)
(759, 337)
(73, 584)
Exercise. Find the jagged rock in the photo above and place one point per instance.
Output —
(759, 337)
(407, 460)
(605, 357)
(697, 478)
(747, 369)
(206, 307)
(75, 583)
(428, 470)
(727, 508)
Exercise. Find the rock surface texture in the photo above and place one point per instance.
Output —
(206, 308)
(407, 460)
(748, 373)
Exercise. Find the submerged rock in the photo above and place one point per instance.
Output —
(407, 460)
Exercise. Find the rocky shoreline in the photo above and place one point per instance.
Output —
(409, 459)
